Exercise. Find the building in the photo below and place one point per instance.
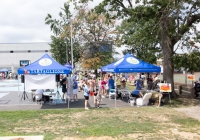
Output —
(11, 54)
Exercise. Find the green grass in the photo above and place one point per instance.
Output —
(120, 123)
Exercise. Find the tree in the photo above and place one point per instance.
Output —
(96, 35)
(61, 42)
(136, 43)
(188, 61)
(58, 49)
(168, 20)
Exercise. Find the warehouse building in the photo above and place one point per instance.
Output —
(15, 55)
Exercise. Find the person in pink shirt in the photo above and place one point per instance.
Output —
(130, 78)
(103, 87)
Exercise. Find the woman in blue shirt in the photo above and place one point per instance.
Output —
(75, 90)
(86, 94)
(136, 92)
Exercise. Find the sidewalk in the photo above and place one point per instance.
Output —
(11, 99)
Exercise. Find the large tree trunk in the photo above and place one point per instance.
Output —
(168, 68)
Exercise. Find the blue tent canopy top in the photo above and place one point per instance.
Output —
(129, 64)
(5, 70)
(68, 66)
(44, 65)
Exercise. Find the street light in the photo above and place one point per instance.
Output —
(66, 51)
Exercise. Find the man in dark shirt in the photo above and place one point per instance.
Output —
(197, 88)
(64, 89)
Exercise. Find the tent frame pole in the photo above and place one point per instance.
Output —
(115, 89)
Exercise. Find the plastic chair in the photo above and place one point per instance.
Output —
(144, 100)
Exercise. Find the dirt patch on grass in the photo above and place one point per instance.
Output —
(51, 116)
(189, 107)
(90, 138)
(188, 102)
(193, 112)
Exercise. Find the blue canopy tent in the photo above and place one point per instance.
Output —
(130, 64)
(68, 66)
(44, 65)
(5, 70)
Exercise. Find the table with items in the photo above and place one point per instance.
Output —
(48, 95)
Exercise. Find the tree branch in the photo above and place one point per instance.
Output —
(121, 4)
(190, 12)
(130, 3)
(189, 23)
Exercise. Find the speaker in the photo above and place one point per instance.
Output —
(22, 79)
(57, 77)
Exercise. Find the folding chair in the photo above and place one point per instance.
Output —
(125, 93)
(112, 94)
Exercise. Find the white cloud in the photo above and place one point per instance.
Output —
(24, 21)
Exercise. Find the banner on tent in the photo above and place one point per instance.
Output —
(40, 82)
(44, 71)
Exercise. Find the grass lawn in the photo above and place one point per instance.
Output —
(105, 123)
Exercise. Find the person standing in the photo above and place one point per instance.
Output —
(150, 82)
(197, 88)
(130, 78)
(126, 76)
(75, 90)
(92, 84)
(123, 81)
(97, 98)
(111, 82)
(103, 87)
(86, 95)
(64, 88)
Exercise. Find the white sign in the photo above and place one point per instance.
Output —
(45, 62)
(165, 87)
(132, 60)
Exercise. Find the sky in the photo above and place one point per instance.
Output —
(23, 21)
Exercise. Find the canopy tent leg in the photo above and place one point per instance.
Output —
(115, 89)
(18, 90)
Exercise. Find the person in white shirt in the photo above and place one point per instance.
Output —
(39, 94)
